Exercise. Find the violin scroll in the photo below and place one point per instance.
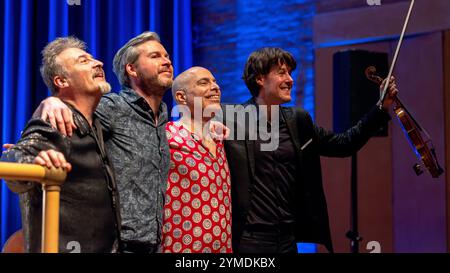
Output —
(371, 75)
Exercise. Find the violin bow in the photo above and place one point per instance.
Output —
(391, 69)
(394, 60)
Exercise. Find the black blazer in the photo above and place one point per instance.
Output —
(311, 216)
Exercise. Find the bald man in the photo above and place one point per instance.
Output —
(197, 211)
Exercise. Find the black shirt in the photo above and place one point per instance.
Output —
(88, 221)
(272, 191)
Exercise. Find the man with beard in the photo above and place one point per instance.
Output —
(88, 219)
(134, 124)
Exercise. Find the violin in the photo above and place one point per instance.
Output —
(423, 149)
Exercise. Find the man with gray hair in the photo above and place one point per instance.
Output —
(88, 215)
(134, 132)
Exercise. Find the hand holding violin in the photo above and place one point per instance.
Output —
(391, 93)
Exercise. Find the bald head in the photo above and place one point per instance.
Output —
(196, 84)
(184, 81)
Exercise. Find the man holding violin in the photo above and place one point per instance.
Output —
(277, 196)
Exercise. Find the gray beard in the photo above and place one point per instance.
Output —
(104, 87)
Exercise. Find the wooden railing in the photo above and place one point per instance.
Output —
(51, 180)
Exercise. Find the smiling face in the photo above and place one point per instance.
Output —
(202, 84)
(153, 69)
(276, 86)
(83, 73)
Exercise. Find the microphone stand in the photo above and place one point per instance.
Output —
(353, 233)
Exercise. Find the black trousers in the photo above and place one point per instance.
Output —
(138, 247)
(267, 241)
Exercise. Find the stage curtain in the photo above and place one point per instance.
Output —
(105, 25)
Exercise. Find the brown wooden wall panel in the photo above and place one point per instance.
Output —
(419, 216)
(405, 213)
(446, 49)
(374, 169)
(380, 22)
(419, 201)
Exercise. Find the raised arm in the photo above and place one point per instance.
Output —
(53, 110)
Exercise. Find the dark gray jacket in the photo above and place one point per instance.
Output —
(88, 215)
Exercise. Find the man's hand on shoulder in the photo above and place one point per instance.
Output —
(58, 114)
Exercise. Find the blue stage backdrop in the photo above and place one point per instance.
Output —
(105, 25)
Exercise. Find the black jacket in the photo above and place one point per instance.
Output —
(311, 142)
(88, 201)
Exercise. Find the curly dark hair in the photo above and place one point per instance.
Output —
(261, 61)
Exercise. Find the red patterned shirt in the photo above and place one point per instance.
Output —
(197, 210)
